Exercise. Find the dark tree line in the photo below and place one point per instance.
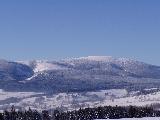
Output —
(82, 114)
(108, 112)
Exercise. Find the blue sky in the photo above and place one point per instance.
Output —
(55, 29)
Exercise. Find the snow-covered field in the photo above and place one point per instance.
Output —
(66, 101)
(140, 100)
(147, 118)
(6, 95)
(72, 101)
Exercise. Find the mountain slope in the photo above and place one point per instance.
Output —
(14, 71)
(78, 74)
(93, 73)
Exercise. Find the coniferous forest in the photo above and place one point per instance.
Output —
(82, 114)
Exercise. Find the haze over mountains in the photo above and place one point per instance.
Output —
(81, 80)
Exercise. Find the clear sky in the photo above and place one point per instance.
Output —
(55, 29)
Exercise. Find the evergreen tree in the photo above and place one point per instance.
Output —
(45, 115)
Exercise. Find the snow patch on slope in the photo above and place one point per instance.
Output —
(28, 79)
(25, 62)
(41, 65)
(44, 65)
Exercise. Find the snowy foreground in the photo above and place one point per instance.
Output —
(147, 118)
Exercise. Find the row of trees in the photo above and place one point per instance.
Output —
(82, 114)
(108, 112)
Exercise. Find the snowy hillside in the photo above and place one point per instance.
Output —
(75, 100)
(78, 82)
(92, 73)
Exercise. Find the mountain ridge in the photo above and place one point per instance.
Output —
(78, 74)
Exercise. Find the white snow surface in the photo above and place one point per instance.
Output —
(6, 95)
(97, 58)
(25, 62)
(71, 101)
(44, 65)
(101, 59)
(65, 101)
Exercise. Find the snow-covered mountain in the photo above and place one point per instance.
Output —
(91, 73)
(77, 82)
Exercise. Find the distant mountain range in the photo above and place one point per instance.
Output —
(77, 75)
